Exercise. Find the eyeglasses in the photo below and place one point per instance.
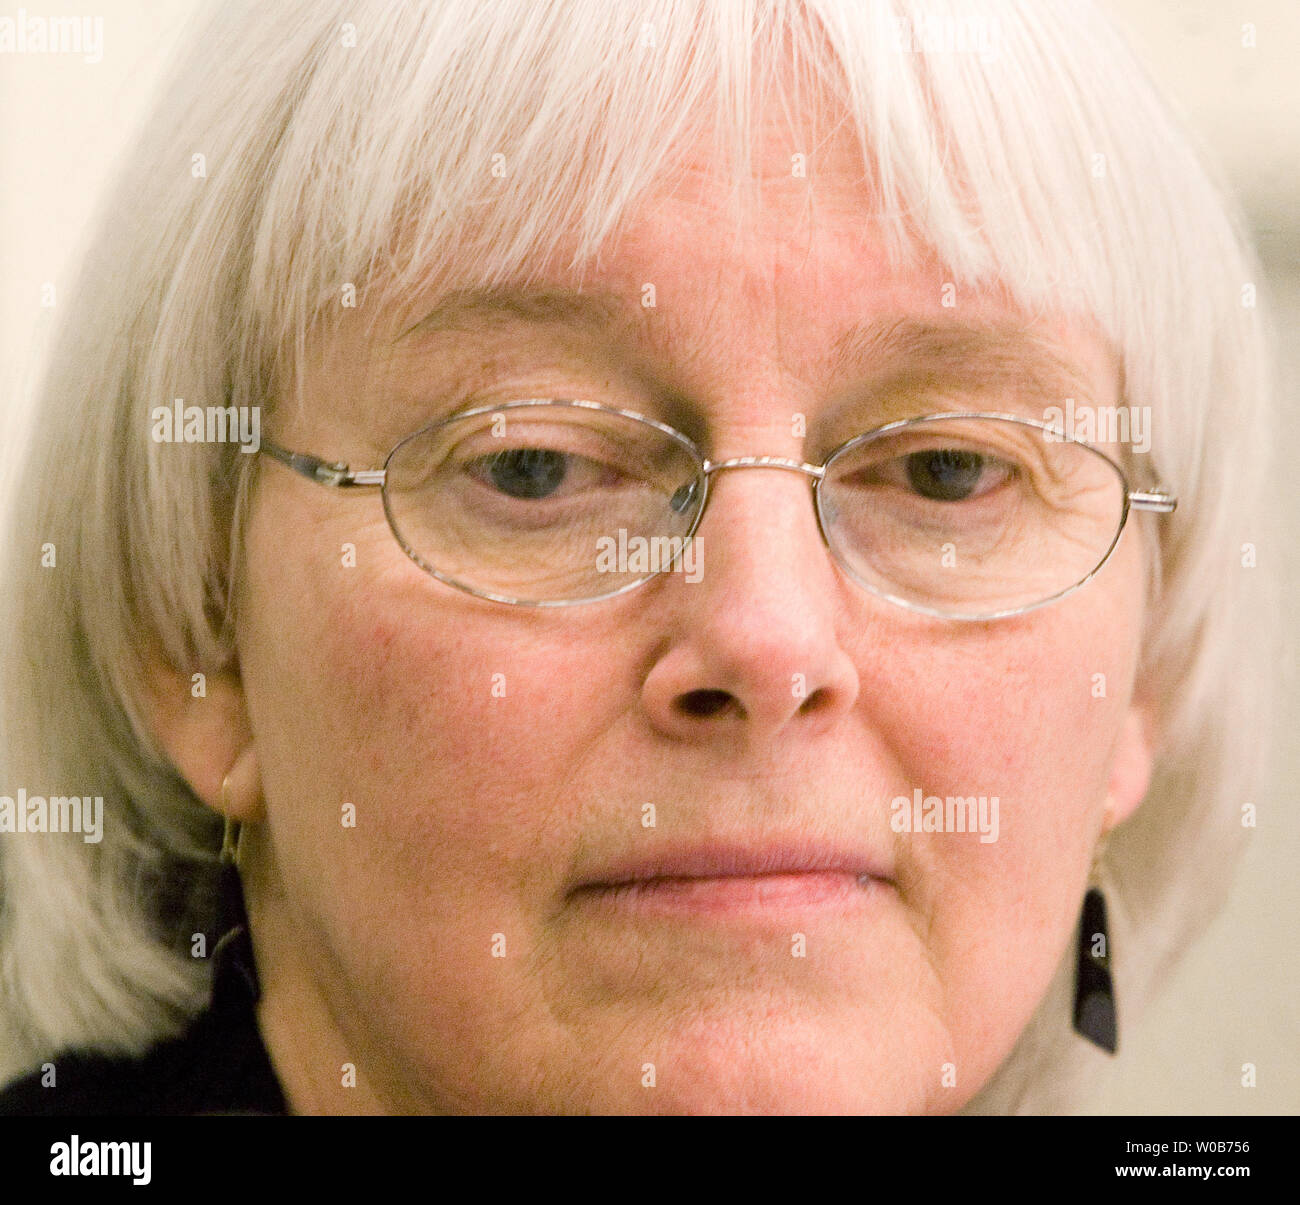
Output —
(549, 503)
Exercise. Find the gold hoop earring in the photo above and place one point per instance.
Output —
(234, 978)
(233, 834)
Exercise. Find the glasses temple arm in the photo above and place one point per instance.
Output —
(1157, 500)
(323, 472)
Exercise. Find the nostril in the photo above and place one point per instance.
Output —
(819, 700)
(703, 703)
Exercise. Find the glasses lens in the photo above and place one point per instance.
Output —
(970, 517)
(544, 503)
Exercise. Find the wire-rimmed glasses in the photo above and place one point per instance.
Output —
(553, 502)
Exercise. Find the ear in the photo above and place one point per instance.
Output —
(1130, 774)
(202, 724)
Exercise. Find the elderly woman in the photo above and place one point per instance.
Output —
(609, 557)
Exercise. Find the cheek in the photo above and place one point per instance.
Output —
(451, 725)
(1027, 712)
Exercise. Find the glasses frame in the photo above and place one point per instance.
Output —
(339, 475)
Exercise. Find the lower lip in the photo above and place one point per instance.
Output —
(735, 893)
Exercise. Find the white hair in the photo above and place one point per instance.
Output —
(308, 145)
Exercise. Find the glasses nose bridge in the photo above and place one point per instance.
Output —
(817, 472)
(814, 472)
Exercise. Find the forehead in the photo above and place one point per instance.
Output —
(803, 262)
(797, 287)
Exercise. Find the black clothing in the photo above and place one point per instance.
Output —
(219, 1065)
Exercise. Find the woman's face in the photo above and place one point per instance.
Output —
(454, 944)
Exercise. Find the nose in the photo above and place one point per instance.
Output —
(756, 650)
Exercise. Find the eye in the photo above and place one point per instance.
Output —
(952, 474)
(534, 473)
(943, 472)
(527, 472)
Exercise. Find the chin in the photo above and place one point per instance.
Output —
(781, 1065)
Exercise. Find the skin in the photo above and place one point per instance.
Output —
(476, 815)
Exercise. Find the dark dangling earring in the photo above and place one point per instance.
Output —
(1094, 991)
(234, 974)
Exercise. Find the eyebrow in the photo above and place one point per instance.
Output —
(468, 309)
(928, 354)
(893, 355)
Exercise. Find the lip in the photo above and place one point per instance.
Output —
(776, 871)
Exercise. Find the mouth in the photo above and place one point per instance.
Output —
(721, 879)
